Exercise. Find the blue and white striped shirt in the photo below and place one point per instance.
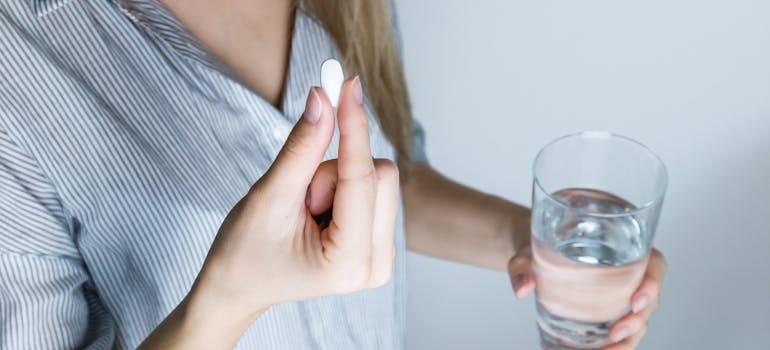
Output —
(123, 145)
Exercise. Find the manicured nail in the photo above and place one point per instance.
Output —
(312, 107)
(358, 93)
(640, 303)
(622, 333)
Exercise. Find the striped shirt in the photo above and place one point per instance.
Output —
(123, 145)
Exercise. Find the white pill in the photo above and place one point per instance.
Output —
(331, 80)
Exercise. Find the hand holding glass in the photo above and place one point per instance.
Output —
(596, 201)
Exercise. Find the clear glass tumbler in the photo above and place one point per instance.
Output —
(596, 199)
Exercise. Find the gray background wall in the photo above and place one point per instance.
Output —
(492, 81)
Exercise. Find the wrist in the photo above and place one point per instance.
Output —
(207, 296)
(213, 319)
(199, 322)
(211, 311)
(512, 229)
(518, 230)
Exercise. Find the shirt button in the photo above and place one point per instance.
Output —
(281, 132)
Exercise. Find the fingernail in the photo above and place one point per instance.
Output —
(358, 93)
(622, 333)
(312, 107)
(640, 303)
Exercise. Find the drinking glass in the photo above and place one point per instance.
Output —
(596, 199)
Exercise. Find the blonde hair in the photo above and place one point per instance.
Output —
(363, 32)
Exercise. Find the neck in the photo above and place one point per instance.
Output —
(251, 37)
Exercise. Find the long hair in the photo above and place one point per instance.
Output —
(363, 32)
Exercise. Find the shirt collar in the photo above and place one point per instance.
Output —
(43, 7)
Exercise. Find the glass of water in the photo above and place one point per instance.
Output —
(596, 199)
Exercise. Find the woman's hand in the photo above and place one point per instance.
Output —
(627, 332)
(271, 248)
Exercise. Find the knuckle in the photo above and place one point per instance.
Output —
(369, 174)
(369, 180)
(362, 173)
(387, 170)
(362, 121)
(512, 264)
(654, 286)
(637, 322)
(353, 123)
(517, 261)
(297, 146)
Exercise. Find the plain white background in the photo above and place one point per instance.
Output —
(492, 81)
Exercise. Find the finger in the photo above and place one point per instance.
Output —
(629, 343)
(646, 313)
(320, 193)
(627, 326)
(520, 272)
(355, 155)
(384, 227)
(649, 290)
(354, 199)
(320, 196)
(305, 147)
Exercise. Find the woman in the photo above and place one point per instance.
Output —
(131, 129)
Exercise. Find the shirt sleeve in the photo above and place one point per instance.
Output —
(46, 298)
(418, 133)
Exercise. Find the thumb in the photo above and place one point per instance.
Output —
(305, 147)
(520, 272)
